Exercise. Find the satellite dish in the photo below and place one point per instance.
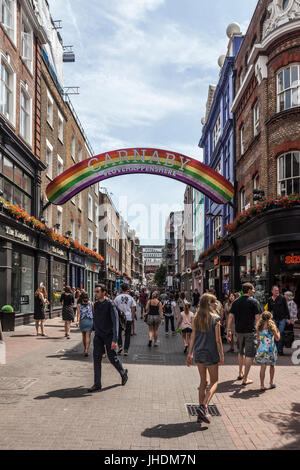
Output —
(221, 60)
(233, 30)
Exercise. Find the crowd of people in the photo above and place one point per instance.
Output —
(205, 323)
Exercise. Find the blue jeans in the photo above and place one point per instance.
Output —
(281, 326)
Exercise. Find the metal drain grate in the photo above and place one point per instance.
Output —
(212, 409)
(157, 359)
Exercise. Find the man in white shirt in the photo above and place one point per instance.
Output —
(126, 304)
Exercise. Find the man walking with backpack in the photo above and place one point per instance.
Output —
(169, 307)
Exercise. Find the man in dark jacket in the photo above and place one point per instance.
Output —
(106, 323)
(277, 305)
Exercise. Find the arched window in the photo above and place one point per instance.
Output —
(288, 88)
(289, 173)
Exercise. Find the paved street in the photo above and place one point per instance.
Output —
(44, 403)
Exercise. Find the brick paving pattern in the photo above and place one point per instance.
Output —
(44, 403)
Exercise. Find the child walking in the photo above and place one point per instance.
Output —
(206, 342)
(185, 321)
(266, 354)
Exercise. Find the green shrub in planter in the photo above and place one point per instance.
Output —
(7, 308)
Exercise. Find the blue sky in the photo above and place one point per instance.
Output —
(143, 68)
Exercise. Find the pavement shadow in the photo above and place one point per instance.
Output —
(288, 424)
(229, 386)
(77, 392)
(245, 394)
(170, 431)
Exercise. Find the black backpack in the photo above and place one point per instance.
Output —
(168, 308)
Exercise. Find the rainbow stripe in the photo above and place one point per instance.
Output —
(144, 161)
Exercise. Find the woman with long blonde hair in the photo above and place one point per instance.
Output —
(207, 349)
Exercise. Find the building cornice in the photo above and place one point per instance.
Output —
(38, 28)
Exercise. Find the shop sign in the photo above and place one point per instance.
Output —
(24, 300)
(77, 259)
(226, 261)
(57, 251)
(16, 234)
(216, 261)
(292, 259)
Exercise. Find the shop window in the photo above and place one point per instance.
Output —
(59, 219)
(79, 153)
(22, 282)
(289, 174)
(58, 282)
(79, 234)
(90, 208)
(16, 185)
(288, 88)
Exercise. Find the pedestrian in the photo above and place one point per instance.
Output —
(132, 294)
(185, 321)
(40, 303)
(207, 349)
(227, 307)
(106, 322)
(85, 310)
(277, 305)
(126, 304)
(164, 297)
(196, 298)
(245, 311)
(154, 315)
(143, 301)
(169, 310)
(181, 301)
(76, 298)
(267, 352)
(67, 301)
(288, 334)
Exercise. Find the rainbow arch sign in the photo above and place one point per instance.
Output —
(140, 161)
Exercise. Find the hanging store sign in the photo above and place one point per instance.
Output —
(292, 259)
(141, 161)
(16, 234)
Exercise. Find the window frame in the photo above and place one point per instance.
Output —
(216, 133)
(5, 62)
(51, 100)
(90, 208)
(12, 36)
(217, 227)
(242, 139)
(24, 90)
(242, 199)
(49, 166)
(290, 88)
(73, 147)
(60, 126)
(285, 179)
(28, 61)
(256, 119)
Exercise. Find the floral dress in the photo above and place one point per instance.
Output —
(267, 351)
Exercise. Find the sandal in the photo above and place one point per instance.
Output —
(272, 385)
(248, 382)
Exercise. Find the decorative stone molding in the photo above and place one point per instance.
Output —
(261, 69)
(280, 13)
